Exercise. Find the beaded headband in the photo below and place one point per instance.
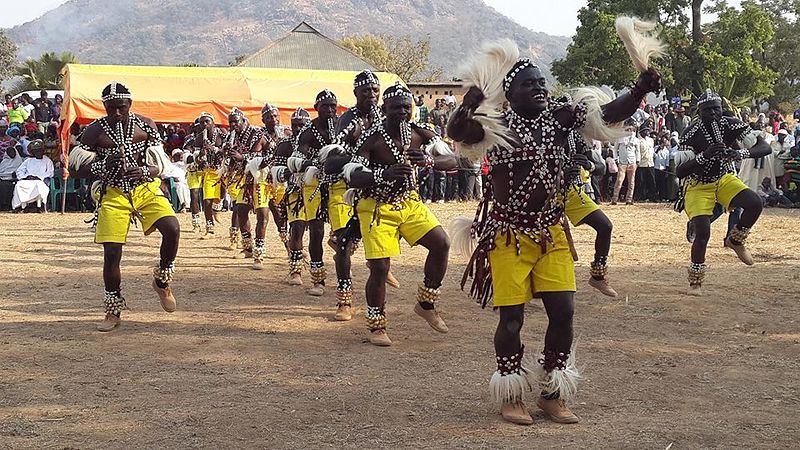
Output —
(237, 113)
(268, 108)
(116, 90)
(709, 96)
(396, 90)
(204, 115)
(519, 66)
(324, 95)
(301, 114)
(364, 78)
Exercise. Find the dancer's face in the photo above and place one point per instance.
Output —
(710, 111)
(326, 109)
(528, 91)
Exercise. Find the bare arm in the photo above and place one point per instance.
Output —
(88, 140)
(462, 127)
(363, 178)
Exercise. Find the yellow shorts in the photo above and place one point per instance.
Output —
(578, 205)
(262, 192)
(516, 279)
(234, 188)
(278, 192)
(212, 187)
(114, 217)
(701, 197)
(194, 180)
(412, 221)
(339, 212)
(310, 206)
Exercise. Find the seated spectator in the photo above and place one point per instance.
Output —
(10, 160)
(32, 177)
(177, 171)
(771, 196)
(791, 179)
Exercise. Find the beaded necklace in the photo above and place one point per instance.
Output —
(122, 137)
(716, 166)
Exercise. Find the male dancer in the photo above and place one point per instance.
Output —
(390, 207)
(274, 133)
(248, 142)
(523, 250)
(206, 144)
(353, 124)
(580, 208)
(711, 178)
(281, 174)
(194, 178)
(116, 149)
(306, 206)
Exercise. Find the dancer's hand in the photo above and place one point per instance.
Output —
(398, 172)
(473, 98)
(713, 150)
(572, 171)
(582, 160)
(416, 156)
(648, 81)
(113, 161)
(136, 173)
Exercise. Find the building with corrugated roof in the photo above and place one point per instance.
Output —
(306, 48)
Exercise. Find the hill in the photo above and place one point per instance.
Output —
(174, 32)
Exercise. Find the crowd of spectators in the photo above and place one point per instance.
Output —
(639, 167)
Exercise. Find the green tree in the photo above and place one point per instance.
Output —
(406, 57)
(782, 54)
(732, 42)
(721, 55)
(8, 56)
(43, 73)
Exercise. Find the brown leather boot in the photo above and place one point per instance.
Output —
(109, 323)
(603, 287)
(432, 317)
(741, 251)
(379, 338)
(343, 313)
(516, 413)
(166, 298)
(557, 410)
(295, 279)
(317, 290)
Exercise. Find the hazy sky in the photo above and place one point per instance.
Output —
(538, 15)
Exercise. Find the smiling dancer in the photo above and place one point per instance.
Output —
(522, 248)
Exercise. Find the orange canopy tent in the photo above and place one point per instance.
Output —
(180, 94)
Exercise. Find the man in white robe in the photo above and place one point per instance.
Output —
(31, 176)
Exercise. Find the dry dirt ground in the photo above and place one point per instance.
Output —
(249, 362)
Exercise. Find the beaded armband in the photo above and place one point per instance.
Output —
(743, 154)
(700, 159)
(377, 174)
(98, 168)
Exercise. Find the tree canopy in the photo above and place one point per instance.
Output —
(404, 56)
(42, 73)
(730, 54)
